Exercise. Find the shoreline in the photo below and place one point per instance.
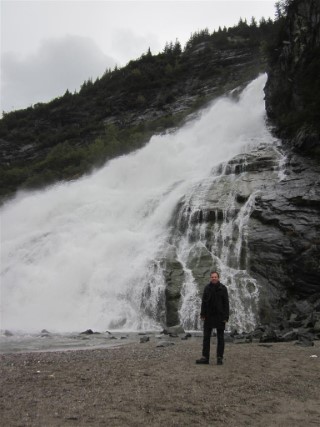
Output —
(38, 344)
(141, 384)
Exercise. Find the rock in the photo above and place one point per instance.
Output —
(295, 323)
(289, 336)
(144, 339)
(240, 340)
(174, 330)
(316, 327)
(258, 332)
(187, 336)
(8, 333)
(87, 332)
(281, 235)
(90, 332)
(305, 342)
(165, 344)
(290, 100)
(174, 277)
(228, 338)
(291, 95)
(305, 334)
(269, 336)
(313, 321)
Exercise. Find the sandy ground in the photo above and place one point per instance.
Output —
(142, 385)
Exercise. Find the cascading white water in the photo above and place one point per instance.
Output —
(84, 254)
(224, 248)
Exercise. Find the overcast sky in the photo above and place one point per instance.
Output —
(50, 46)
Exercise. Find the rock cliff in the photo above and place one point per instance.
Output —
(289, 253)
(293, 87)
(258, 224)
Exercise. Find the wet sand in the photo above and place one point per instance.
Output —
(140, 384)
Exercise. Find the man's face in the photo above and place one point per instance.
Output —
(214, 278)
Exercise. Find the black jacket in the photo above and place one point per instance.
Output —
(215, 305)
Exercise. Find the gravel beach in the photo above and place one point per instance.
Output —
(139, 384)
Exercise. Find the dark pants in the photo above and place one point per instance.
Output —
(207, 331)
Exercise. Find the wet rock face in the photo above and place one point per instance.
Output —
(284, 235)
(284, 239)
(211, 232)
(174, 277)
(257, 223)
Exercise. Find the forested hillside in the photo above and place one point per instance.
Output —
(119, 112)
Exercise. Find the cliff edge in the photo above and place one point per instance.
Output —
(293, 87)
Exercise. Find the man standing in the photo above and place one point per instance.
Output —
(215, 313)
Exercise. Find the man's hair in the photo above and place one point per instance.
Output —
(215, 272)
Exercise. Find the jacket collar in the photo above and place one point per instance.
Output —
(217, 285)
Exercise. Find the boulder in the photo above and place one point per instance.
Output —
(87, 332)
(305, 342)
(269, 335)
(174, 278)
(165, 344)
(174, 330)
(289, 336)
(316, 327)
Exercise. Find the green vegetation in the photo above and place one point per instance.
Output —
(294, 58)
(119, 112)
(64, 162)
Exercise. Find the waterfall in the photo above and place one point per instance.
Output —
(90, 253)
(223, 241)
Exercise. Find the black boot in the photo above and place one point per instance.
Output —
(202, 361)
(219, 361)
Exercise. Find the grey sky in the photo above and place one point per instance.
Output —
(50, 46)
